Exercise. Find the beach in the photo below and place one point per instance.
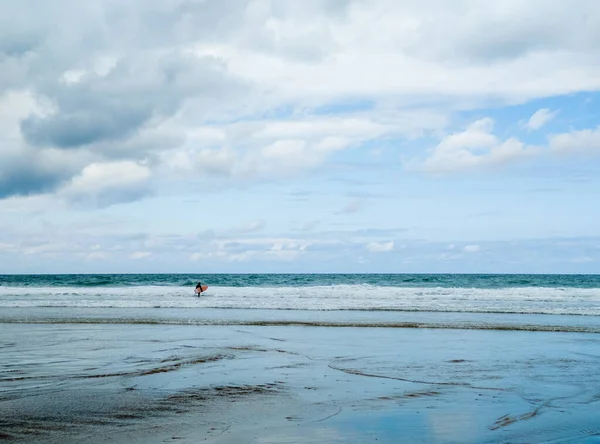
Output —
(85, 370)
(230, 384)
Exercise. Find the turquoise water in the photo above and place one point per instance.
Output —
(483, 281)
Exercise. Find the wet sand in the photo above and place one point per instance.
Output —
(296, 384)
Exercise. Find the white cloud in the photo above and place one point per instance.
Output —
(252, 227)
(279, 159)
(478, 148)
(540, 118)
(46, 248)
(72, 76)
(446, 257)
(583, 141)
(380, 247)
(15, 106)
(257, 249)
(351, 126)
(279, 255)
(284, 147)
(582, 260)
(140, 255)
(108, 182)
(96, 256)
(460, 49)
(308, 226)
(7, 247)
(100, 66)
(111, 174)
(474, 148)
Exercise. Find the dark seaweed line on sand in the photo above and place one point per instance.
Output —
(350, 309)
(351, 371)
(152, 371)
(285, 323)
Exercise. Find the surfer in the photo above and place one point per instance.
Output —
(198, 288)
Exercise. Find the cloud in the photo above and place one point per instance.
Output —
(283, 148)
(140, 255)
(354, 206)
(252, 227)
(475, 148)
(480, 34)
(308, 226)
(235, 90)
(582, 141)
(540, 118)
(96, 256)
(113, 107)
(460, 50)
(66, 246)
(471, 248)
(380, 247)
(105, 85)
(583, 260)
(350, 126)
(107, 183)
(24, 170)
(253, 249)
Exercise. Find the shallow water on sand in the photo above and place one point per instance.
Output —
(283, 384)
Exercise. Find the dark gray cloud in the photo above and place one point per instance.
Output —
(29, 179)
(14, 45)
(87, 126)
(26, 172)
(113, 107)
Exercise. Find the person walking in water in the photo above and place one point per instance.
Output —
(199, 288)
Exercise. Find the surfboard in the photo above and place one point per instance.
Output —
(203, 288)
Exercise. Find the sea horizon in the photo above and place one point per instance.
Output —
(303, 273)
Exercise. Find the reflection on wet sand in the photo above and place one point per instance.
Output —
(154, 384)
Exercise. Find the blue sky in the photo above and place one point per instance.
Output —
(317, 136)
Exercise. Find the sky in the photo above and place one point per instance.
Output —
(264, 136)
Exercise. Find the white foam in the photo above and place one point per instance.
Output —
(335, 297)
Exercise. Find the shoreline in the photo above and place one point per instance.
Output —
(302, 318)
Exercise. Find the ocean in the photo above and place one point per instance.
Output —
(315, 298)
(138, 357)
